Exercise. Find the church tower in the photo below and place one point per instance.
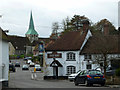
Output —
(31, 33)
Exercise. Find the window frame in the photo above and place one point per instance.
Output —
(87, 56)
(71, 70)
(70, 56)
(89, 65)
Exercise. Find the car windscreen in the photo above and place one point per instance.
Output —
(25, 66)
(94, 73)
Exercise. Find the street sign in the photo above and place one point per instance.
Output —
(41, 48)
(54, 55)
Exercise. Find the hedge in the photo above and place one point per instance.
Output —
(118, 72)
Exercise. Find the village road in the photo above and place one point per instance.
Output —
(22, 79)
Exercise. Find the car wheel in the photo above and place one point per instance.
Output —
(70, 80)
(102, 84)
(76, 84)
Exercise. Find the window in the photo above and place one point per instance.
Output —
(89, 66)
(71, 56)
(83, 73)
(71, 69)
(87, 56)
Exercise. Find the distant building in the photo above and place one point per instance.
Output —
(18, 44)
(4, 58)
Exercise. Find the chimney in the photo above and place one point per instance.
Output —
(106, 29)
(85, 25)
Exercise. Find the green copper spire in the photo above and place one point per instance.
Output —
(31, 29)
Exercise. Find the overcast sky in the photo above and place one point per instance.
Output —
(16, 13)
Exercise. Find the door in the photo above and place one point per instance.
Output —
(81, 77)
(55, 72)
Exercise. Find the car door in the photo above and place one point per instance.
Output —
(80, 77)
(83, 77)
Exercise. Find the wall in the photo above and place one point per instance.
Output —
(11, 49)
(4, 56)
(62, 70)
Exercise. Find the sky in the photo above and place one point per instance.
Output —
(16, 13)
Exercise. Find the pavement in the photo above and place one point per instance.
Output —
(113, 86)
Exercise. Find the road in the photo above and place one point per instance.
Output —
(22, 79)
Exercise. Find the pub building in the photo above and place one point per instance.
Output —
(63, 56)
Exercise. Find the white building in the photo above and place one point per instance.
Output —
(4, 58)
(63, 56)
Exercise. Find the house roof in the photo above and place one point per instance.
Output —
(45, 40)
(69, 41)
(19, 42)
(96, 46)
(31, 29)
(3, 35)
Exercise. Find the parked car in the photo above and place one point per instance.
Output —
(38, 67)
(29, 61)
(71, 77)
(25, 67)
(26, 58)
(11, 67)
(17, 64)
(110, 71)
(32, 64)
(90, 77)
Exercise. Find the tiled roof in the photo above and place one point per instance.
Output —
(45, 40)
(18, 42)
(97, 46)
(67, 42)
(3, 35)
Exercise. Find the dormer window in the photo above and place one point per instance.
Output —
(70, 56)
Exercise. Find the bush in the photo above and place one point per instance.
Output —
(118, 72)
(12, 56)
(21, 56)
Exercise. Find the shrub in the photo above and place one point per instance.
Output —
(118, 72)
(21, 56)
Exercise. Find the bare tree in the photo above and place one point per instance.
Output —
(55, 29)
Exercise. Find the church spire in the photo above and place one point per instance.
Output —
(31, 33)
(31, 24)
(31, 29)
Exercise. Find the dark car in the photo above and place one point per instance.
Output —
(17, 64)
(90, 77)
(11, 67)
(25, 67)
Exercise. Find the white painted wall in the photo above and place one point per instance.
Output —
(62, 70)
(4, 60)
